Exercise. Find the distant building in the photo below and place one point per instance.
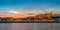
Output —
(44, 16)
(56, 18)
(31, 18)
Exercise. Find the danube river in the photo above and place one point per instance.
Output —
(29, 26)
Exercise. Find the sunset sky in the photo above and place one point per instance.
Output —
(24, 7)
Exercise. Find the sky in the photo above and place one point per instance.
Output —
(29, 6)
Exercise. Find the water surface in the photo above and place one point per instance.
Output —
(29, 26)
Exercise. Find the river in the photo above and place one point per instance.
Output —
(29, 26)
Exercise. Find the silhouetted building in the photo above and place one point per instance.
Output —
(31, 18)
(56, 18)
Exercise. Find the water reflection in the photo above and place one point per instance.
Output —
(29, 26)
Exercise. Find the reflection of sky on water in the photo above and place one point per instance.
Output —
(29, 26)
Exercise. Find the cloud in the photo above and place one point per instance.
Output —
(14, 12)
(26, 9)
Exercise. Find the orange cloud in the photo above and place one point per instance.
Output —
(13, 15)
